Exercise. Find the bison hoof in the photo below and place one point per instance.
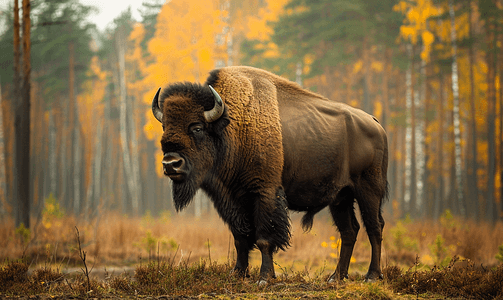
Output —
(262, 282)
(335, 277)
(373, 276)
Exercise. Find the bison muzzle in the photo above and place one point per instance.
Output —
(258, 144)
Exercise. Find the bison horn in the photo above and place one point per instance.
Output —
(155, 107)
(217, 110)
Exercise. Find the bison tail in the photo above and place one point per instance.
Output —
(307, 219)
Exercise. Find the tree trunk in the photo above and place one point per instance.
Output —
(98, 164)
(151, 176)
(385, 87)
(367, 80)
(501, 125)
(128, 169)
(135, 158)
(473, 195)
(9, 111)
(452, 199)
(52, 155)
(77, 163)
(439, 199)
(421, 108)
(399, 153)
(411, 178)
(391, 130)
(107, 159)
(456, 118)
(73, 121)
(3, 170)
(491, 101)
(64, 148)
(428, 190)
(22, 125)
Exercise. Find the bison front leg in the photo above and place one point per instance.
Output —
(272, 229)
(243, 243)
(267, 267)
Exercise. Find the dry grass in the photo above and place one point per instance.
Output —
(183, 256)
(208, 280)
(115, 240)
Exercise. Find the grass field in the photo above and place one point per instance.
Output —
(182, 256)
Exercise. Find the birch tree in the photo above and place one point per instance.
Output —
(456, 118)
(126, 154)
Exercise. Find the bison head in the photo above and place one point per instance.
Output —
(193, 118)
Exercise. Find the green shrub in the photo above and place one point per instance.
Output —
(438, 251)
(401, 240)
(499, 255)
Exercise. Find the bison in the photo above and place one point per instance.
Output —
(258, 145)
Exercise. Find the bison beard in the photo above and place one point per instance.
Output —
(184, 192)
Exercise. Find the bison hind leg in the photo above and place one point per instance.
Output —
(343, 214)
(370, 198)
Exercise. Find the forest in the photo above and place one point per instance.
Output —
(430, 70)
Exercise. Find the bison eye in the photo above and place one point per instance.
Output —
(196, 129)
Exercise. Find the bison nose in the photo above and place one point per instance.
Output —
(173, 164)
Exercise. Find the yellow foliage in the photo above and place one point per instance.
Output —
(90, 105)
(184, 41)
(183, 48)
(428, 39)
(398, 155)
(258, 26)
(462, 26)
(357, 66)
(401, 6)
(51, 213)
(272, 51)
(427, 260)
(258, 29)
(413, 16)
(377, 66)
(259, 46)
(309, 59)
(137, 33)
(416, 23)
(408, 33)
(378, 110)
(353, 102)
